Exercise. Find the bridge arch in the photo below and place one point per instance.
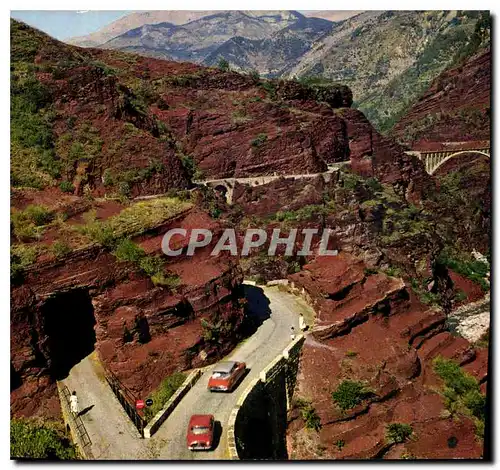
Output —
(221, 188)
(454, 155)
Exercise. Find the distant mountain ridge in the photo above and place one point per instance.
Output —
(178, 17)
(257, 40)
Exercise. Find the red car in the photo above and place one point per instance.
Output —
(226, 376)
(200, 433)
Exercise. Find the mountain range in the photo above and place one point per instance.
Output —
(177, 17)
(387, 58)
(269, 43)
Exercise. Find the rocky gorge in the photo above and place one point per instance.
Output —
(106, 148)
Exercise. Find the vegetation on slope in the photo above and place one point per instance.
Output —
(390, 58)
(461, 392)
(32, 440)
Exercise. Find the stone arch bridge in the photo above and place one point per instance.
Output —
(226, 185)
(433, 159)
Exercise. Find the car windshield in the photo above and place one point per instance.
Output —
(219, 375)
(200, 429)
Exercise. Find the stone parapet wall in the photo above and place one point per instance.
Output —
(266, 398)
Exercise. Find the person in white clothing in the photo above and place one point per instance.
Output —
(302, 323)
(73, 400)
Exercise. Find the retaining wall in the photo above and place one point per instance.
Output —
(165, 412)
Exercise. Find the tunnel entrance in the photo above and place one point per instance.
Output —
(69, 325)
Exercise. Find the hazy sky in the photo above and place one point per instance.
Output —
(66, 24)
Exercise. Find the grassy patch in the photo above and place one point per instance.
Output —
(133, 220)
(80, 144)
(420, 289)
(31, 440)
(163, 393)
(464, 265)
(21, 257)
(28, 224)
(461, 392)
(153, 266)
(66, 187)
(33, 160)
(240, 117)
(304, 213)
(60, 249)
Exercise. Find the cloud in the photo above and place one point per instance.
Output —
(80, 12)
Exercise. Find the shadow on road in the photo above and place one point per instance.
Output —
(217, 434)
(85, 410)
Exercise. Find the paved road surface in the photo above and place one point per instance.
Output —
(115, 437)
(258, 351)
(112, 433)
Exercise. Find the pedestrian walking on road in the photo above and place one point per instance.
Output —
(302, 323)
(73, 400)
(292, 332)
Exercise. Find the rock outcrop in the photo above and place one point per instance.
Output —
(371, 330)
(88, 300)
(455, 108)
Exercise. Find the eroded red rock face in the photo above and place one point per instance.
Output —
(141, 332)
(369, 329)
(455, 108)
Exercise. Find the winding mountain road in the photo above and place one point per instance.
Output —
(113, 435)
(279, 311)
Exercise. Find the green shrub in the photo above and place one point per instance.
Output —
(21, 257)
(398, 432)
(259, 140)
(171, 282)
(270, 88)
(309, 415)
(350, 393)
(393, 271)
(29, 440)
(311, 418)
(374, 184)
(99, 232)
(107, 178)
(460, 296)
(350, 181)
(339, 444)
(163, 393)
(60, 249)
(223, 64)
(127, 250)
(351, 353)
(190, 166)
(152, 265)
(39, 215)
(28, 223)
(254, 75)
(66, 187)
(461, 392)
